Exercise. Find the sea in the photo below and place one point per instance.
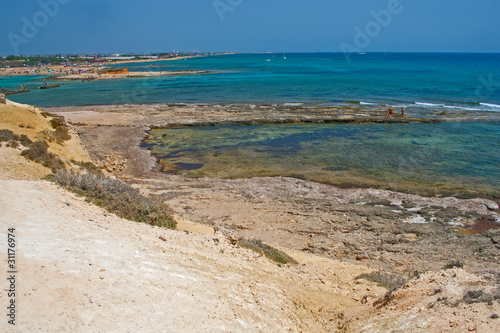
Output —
(461, 158)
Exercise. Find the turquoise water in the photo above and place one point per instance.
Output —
(449, 158)
(413, 80)
(446, 157)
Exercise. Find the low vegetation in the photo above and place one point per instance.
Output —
(117, 197)
(61, 132)
(7, 135)
(386, 280)
(10, 137)
(112, 194)
(454, 264)
(267, 250)
(38, 152)
(88, 166)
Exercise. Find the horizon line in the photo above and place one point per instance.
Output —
(238, 52)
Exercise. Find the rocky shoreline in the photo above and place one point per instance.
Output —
(396, 232)
(167, 115)
(88, 263)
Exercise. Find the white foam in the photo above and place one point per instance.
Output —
(429, 104)
(494, 106)
(461, 108)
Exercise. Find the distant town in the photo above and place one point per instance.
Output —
(13, 61)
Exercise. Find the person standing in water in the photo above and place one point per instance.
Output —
(402, 112)
(389, 112)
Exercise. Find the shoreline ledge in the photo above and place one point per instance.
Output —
(418, 232)
(157, 115)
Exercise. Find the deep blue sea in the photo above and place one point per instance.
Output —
(452, 157)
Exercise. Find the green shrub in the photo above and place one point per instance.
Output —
(117, 197)
(267, 250)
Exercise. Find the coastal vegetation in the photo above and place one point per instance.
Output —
(116, 197)
(110, 193)
(13, 139)
(38, 152)
(385, 279)
(17, 61)
(35, 151)
(267, 250)
(41, 60)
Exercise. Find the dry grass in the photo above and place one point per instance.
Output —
(267, 250)
(116, 197)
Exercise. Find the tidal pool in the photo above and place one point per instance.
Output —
(431, 159)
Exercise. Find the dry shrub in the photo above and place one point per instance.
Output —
(61, 134)
(57, 121)
(88, 166)
(48, 135)
(45, 114)
(267, 250)
(37, 152)
(454, 264)
(13, 144)
(25, 141)
(13, 140)
(7, 135)
(387, 280)
(117, 197)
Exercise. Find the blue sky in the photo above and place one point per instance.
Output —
(123, 26)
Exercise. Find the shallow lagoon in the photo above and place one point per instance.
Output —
(431, 159)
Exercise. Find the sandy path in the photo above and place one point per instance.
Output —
(81, 269)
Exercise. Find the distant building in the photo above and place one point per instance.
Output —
(119, 58)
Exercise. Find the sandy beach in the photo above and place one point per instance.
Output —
(109, 76)
(80, 70)
(98, 271)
